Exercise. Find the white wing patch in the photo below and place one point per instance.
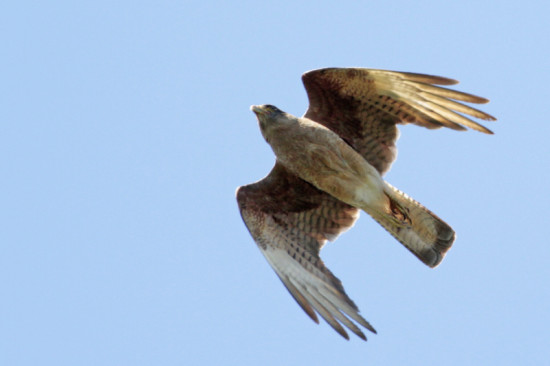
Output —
(312, 285)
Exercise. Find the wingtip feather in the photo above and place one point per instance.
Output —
(429, 79)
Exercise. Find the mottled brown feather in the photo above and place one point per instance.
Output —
(363, 106)
(290, 219)
(286, 214)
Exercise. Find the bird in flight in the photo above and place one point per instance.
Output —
(329, 165)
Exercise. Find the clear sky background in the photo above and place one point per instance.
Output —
(125, 129)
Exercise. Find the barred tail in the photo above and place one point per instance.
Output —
(418, 229)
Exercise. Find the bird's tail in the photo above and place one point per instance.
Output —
(418, 229)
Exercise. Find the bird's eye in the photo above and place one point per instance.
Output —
(271, 108)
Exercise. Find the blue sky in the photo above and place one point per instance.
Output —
(125, 130)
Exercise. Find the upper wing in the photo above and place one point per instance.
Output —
(363, 106)
(290, 220)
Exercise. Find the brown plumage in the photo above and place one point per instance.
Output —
(330, 164)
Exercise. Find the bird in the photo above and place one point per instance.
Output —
(330, 165)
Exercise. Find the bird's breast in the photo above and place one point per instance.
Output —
(322, 158)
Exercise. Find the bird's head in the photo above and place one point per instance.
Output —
(266, 111)
(269, 117)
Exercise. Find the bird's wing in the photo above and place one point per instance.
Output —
(364, 105)
(290, 220)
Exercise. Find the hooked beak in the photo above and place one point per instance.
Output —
(258, 109)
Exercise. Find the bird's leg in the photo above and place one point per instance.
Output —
(399, 213)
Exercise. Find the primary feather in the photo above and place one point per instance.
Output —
(330, 164)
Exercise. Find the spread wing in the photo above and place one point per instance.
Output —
(364, 105)
(291, 220)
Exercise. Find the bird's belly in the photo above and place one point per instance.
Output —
(359, 192)
(327, 162)
(351, 179)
